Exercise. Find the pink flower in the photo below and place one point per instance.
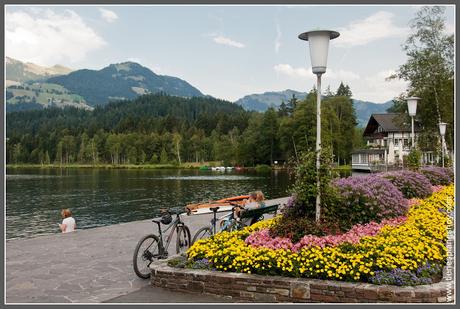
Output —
(262, 238)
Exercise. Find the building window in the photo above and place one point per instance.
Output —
(355, 158)
(396, 142)
(406, 142)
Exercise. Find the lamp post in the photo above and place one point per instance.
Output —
(319, 46)
(442, 131)
(412, 108)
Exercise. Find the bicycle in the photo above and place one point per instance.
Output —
(207, 231)
(151, 247)
(229, 223)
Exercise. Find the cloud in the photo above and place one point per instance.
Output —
(278, 38)
(227, 41)
(288, 70)
(376, 87)
(108, 16)
(45, 37)
(375, 27)
(373, 87)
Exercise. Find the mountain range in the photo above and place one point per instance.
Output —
(261, 102)
(30, 86)
(19, 72)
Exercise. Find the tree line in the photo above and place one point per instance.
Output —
(158, 128)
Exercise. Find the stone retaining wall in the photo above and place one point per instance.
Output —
(268, 289)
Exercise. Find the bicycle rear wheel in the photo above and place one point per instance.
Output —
(147, 250)
(183, 239)
(203, 233)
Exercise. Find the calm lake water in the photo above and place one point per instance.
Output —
(100, 197)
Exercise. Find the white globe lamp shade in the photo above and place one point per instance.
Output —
(412, 105)
(442, 128)
(319, 46)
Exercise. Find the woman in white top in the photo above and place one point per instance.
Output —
(68, 223)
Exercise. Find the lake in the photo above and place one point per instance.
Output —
(99, 197)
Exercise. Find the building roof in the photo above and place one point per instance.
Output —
(390, 122)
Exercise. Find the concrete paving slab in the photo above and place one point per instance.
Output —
(86, 266)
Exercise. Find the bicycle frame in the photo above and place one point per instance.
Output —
(163, 250)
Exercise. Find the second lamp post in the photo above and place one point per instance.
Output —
(412, 109)
(319, 46)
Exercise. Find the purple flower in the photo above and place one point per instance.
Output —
(411, 184)
(438, 175)
(368, 198)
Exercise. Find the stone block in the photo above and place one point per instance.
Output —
(333, 288)
(403, 292)
(251, 288)
(246, 295)
(370, 294)
(266, 298)
(282, 292)
(195, 286)
(442, 299)
(435, 293)
(300, 291)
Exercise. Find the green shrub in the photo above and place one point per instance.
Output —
(413, 159)
(263, 168)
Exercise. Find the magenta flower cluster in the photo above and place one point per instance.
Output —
(369, 198)
(411, 184)
(262, 238)
(438, 175)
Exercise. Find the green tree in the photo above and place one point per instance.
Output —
(344, 91)
(164, 156)
(430, 71)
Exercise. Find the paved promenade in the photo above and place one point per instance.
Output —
(86, 266)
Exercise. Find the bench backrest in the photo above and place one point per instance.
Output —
(250, 213)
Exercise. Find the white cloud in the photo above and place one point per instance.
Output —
(227, 41)
(373, 87)
(301, 72)
(278, 38)
(108, 16)
(375, 27)
(46, 37)
(376, 87)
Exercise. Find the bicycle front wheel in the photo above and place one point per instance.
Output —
(203, 233)
(147, 250)
(183, 239)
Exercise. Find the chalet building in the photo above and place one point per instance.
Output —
(388, 141)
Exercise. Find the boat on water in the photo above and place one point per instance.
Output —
(223, 204)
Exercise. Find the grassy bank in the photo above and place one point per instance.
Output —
(112, 166)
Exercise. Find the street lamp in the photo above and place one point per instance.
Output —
(319, 46)
(442, 131)
(412, 108)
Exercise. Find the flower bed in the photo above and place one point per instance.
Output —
(408, 246)
(262, 238)
(438, 175)
(411, 184)
(363, 199)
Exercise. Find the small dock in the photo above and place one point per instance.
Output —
(86, 266)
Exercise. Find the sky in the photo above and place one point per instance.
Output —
(225, 51)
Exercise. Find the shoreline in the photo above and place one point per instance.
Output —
(185, 166)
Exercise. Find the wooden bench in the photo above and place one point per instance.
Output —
(257, 212)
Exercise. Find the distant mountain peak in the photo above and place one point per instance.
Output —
(20, 71)
(124, 80)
